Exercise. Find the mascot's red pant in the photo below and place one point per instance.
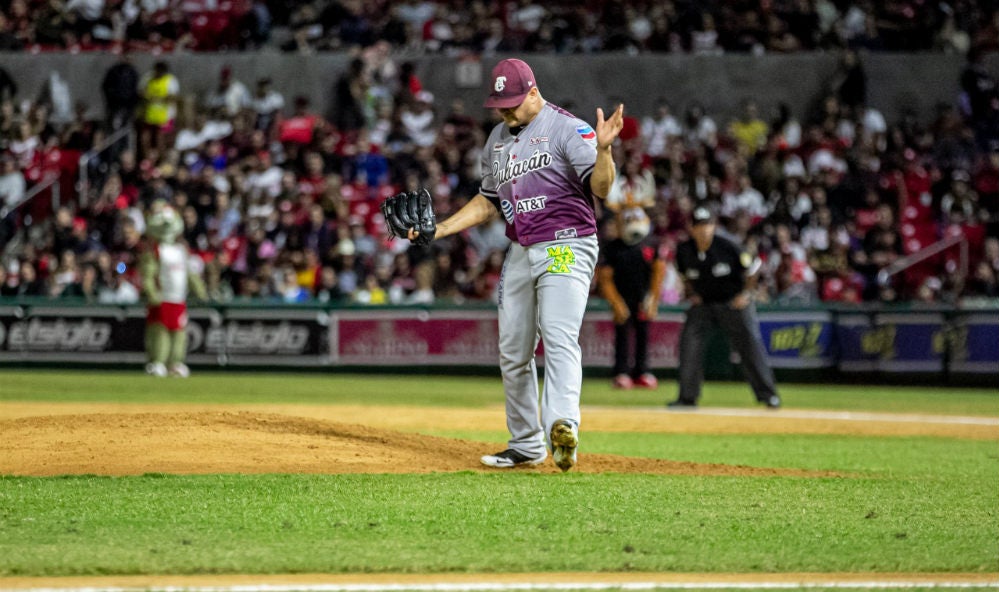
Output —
(171, 315)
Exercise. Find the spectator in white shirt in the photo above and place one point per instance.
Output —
(658, 129)
(634, 184)
(203, 130)
(11, 194)
(787, 128)
(699, 128)
(817, 235)
(89, 11)
(265, 178)
(744, 198)
(415, 13)
(12, 185)
(267, 103)
(419, 120)
(231, 96)
(25, 145)
(121, 291)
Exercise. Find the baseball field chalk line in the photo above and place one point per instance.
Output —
(500, 587)
(831, 415)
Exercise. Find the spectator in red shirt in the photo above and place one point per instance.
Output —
(301, 127)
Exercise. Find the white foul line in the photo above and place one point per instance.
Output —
(832, 415)
(501, 587)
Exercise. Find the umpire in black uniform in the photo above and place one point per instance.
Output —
(719, 277)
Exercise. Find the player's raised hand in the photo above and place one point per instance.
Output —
(607, 130)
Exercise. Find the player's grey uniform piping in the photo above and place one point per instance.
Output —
(539, 180)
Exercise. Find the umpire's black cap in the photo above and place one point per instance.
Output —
(702, 214)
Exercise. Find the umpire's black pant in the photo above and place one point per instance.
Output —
(743, 330)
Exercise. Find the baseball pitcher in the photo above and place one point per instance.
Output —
(541, 169)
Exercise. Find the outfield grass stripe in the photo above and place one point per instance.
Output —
(505, 586)
(825, 415)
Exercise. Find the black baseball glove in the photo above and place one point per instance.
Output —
(411, 210)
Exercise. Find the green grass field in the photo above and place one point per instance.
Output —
(902, 504)
(432, 390)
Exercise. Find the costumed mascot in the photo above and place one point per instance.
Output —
(630, 277)
(167, 270)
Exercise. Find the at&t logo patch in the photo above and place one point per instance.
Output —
(507, 207)
(531, 204)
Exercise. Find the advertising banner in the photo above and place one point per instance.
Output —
(414, 337)
(917, 346)
(891, 342)
(117, 335)
(974, 344)
(392, 338)
(860, 345)
(596, 338)
(798, 340)
(272, 336)
(72, 334)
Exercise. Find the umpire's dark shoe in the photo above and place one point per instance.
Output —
(511, 458)
(681, 404)
(772, 402)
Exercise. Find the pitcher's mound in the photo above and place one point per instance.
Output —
(245, 442)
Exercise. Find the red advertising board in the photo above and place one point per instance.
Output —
(407, 337)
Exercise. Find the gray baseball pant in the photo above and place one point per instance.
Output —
(743, 330)
(543, 292)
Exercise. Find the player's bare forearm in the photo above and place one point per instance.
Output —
(604, 170)
(603, 174)
(478, 210)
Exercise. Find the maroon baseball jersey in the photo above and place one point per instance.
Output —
(538, 176)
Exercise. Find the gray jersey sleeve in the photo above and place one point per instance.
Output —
(579, 146)
(487, 187)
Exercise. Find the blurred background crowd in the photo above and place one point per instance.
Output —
(280, 202)
(485, 27)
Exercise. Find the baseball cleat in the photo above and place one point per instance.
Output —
(157, 369)
(647, 380)
(180, 370)
(564, 441)
(772, 402)
(511, 458)
(623, 381)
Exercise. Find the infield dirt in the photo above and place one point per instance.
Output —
(127, 439)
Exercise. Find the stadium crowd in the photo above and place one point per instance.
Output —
(483, 27)
(281, 203)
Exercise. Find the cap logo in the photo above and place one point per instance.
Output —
(500, 83)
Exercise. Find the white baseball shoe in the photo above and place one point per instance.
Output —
(180, 370)
(564, 441)
(157, 369)
(510, 458)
